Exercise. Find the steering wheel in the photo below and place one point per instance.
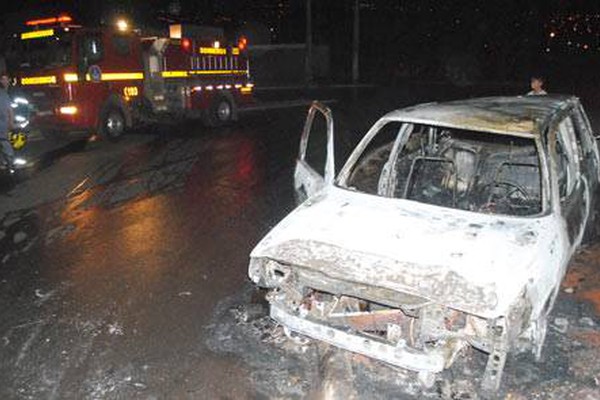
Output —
(513, 195)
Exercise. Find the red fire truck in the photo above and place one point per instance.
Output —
(109, 79)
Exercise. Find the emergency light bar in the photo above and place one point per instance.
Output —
(61, 19)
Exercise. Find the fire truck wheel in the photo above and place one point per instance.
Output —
(220, 112)
(113, 124)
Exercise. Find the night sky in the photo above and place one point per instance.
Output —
(485, 39)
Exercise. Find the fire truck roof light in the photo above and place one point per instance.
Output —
(122, 25)
(61, 19)
(242, 43)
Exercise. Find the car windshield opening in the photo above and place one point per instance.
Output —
(461, 169)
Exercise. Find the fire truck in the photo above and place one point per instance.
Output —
(108, 79)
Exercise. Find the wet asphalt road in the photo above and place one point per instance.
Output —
(108, 280)
(123, 275)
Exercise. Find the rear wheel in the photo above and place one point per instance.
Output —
(220, 112)
(112, 125)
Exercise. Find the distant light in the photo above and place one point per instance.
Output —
(552, 34)
(122, 25)
(216, 44)
(186, 44)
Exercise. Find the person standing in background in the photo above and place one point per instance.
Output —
(537, 86)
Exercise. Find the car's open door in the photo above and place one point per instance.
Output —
(315, 167)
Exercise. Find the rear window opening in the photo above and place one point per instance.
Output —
(466, 170)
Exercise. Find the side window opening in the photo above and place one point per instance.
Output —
(583, 131)
(367, 171)
(576, 134)
(563, 174)
(91, 50)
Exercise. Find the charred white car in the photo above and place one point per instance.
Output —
(450, 225)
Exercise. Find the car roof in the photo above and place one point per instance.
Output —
(518, 115)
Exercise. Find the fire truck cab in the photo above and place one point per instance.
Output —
(108, 79)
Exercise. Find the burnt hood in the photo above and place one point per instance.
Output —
(477, 263)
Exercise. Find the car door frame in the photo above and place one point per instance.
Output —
(590, 160)
(307, 180)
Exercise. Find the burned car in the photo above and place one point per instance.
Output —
(450, 225)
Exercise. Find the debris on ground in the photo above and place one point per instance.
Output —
(286, 365)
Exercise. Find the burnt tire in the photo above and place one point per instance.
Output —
(112, 124)
(220, 112)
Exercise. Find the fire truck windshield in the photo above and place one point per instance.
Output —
(41, 53)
